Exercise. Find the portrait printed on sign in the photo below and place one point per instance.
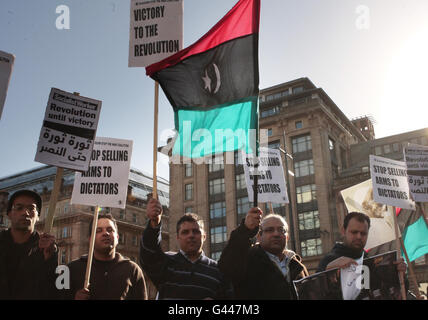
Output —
(360, 198)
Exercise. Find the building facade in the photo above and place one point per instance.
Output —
(71, 222)
(327, 153)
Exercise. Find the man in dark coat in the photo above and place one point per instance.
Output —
(113, 277)
(28, 260)
(265, 270)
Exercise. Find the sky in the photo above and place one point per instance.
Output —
(370, 57)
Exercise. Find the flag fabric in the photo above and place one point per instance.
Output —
(414, 233)
(213, 85)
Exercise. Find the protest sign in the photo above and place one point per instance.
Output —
(390, 186)
(6, 66)
(376, 279)
(360, 198)
(105, 184)
(271, 183)
(68, 131)
(156, 31)
(417, 171)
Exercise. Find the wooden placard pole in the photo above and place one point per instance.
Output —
(398, 246)
(155, 141)
(271, 207)
(53, 200)
(91, 248)
(412, 273)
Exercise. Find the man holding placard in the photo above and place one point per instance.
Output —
(266, 270)
(28, 260)
(188, 274)
(350, 253)
(113, 277)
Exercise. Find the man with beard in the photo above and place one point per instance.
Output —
(265, 270)
(188, 274)
(351, 252)
(113, 277)
(28, 260)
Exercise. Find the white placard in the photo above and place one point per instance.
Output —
(156, 31)
(6, 66)
(390, 186)
(271, 183)
(360, 198)
(105, 183)
(417, 171)
(68, 131)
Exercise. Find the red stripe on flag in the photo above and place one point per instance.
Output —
(242, 20)
(397, 211)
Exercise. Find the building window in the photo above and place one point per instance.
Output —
(274, 145)
(121, 238)
(386, 149)
(216, 186)
(65, 232)
(218, 210)
(270, 112)
(309, 220)
(216, 164)
(304, 168)
(66, 207)
(218, 234)
(269, 132)
(242, 208)
(306, 193)
(188, 192)
(301, 144)
(188, 210)
(216, 255)
(240, 182)
(134, 241)
(330, 144)
(299, 124)
(395, 147)
(63, 257)
(134, 218)
(297, 90)
(311, 247)
(122, 214)
(188, 169)
(378, 151)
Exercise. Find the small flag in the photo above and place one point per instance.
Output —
(213, 85)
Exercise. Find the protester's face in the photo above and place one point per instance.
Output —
(24, 214)
(273, 236)
(355, 235)
(106, 237)
(190, 238)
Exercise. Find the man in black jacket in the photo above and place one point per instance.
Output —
(28, 260)
(267, 269)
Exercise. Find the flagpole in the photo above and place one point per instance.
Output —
(155, 141)
(412, 273)
(398, 246)
(91, 248)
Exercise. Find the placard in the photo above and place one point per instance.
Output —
(6, 65)
(417, 171)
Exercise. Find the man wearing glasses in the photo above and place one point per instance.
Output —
(28, 260)
(267, 269)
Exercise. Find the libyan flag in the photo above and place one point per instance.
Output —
(213, 86)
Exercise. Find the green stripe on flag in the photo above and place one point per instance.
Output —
(416, 239)
(217, 130)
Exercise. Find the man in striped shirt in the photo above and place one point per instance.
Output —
(188, 274)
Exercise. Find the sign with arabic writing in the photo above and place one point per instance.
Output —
(68, 131)
(417, 171)
(105, 183)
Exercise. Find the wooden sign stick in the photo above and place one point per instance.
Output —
(397, 242)
(91, 248)
(155, 141)
(53, 200)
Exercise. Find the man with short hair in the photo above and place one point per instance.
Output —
(265, 270)
(28, 260)
(355, 232)
(188, 274)
(113, 276)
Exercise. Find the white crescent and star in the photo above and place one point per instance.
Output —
(207, 80)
